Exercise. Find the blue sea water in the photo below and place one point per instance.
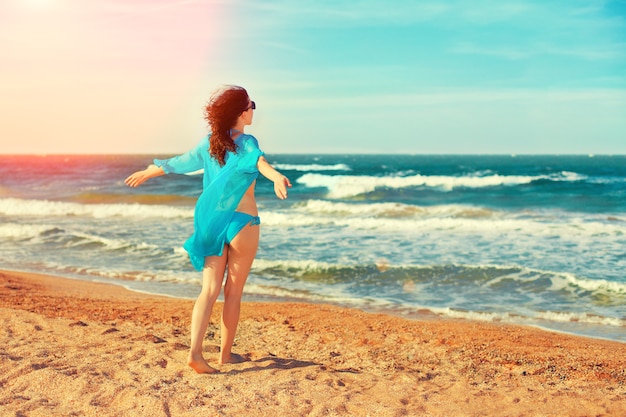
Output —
(534, 240)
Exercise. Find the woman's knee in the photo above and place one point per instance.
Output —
(233, 289)
(210, 294)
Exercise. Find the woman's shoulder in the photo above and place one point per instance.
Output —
(246, 141)
(246, 136)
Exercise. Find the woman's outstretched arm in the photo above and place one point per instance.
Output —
(137, 178)
(280, 181)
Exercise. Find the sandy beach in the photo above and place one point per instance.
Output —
(75, 348)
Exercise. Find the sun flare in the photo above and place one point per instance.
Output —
(38, 4)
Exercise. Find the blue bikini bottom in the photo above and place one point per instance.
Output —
(238, 222)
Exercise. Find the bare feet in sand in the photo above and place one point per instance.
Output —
(200, 365)
(233, 358)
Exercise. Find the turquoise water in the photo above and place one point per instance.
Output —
(536, 240)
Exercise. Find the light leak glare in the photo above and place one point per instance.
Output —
(38, 4)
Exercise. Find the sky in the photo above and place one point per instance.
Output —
(328, 76)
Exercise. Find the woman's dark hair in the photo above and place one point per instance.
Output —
(221, 113)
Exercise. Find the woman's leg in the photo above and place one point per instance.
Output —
(212, 277)
(241, 253)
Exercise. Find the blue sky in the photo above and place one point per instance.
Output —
(345, 76)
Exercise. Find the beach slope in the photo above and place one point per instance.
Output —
(71, 347)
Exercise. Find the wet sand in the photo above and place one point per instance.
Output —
(75, 348)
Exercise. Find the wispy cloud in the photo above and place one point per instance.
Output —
(359, 12)
(591, 53)
(587, 52)
(615, 97)
(512, 53)
(381, 12)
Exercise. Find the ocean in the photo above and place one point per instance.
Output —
(531, 240)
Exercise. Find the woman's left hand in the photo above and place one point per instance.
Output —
(280, 187)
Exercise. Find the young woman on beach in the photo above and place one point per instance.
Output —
(226, 222)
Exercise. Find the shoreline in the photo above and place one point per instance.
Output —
(74, 347)
(595, 331)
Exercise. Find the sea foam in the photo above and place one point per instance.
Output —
(344, 186)
(20, 207)
(312, 167)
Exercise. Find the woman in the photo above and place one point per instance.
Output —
(226, 222)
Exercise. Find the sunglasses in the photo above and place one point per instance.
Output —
(252, 106)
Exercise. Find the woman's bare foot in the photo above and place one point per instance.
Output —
(233, 358)
(200, 365)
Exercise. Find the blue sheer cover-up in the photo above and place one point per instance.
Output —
(223, 188)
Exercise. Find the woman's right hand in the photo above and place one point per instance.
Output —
(137, 178)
